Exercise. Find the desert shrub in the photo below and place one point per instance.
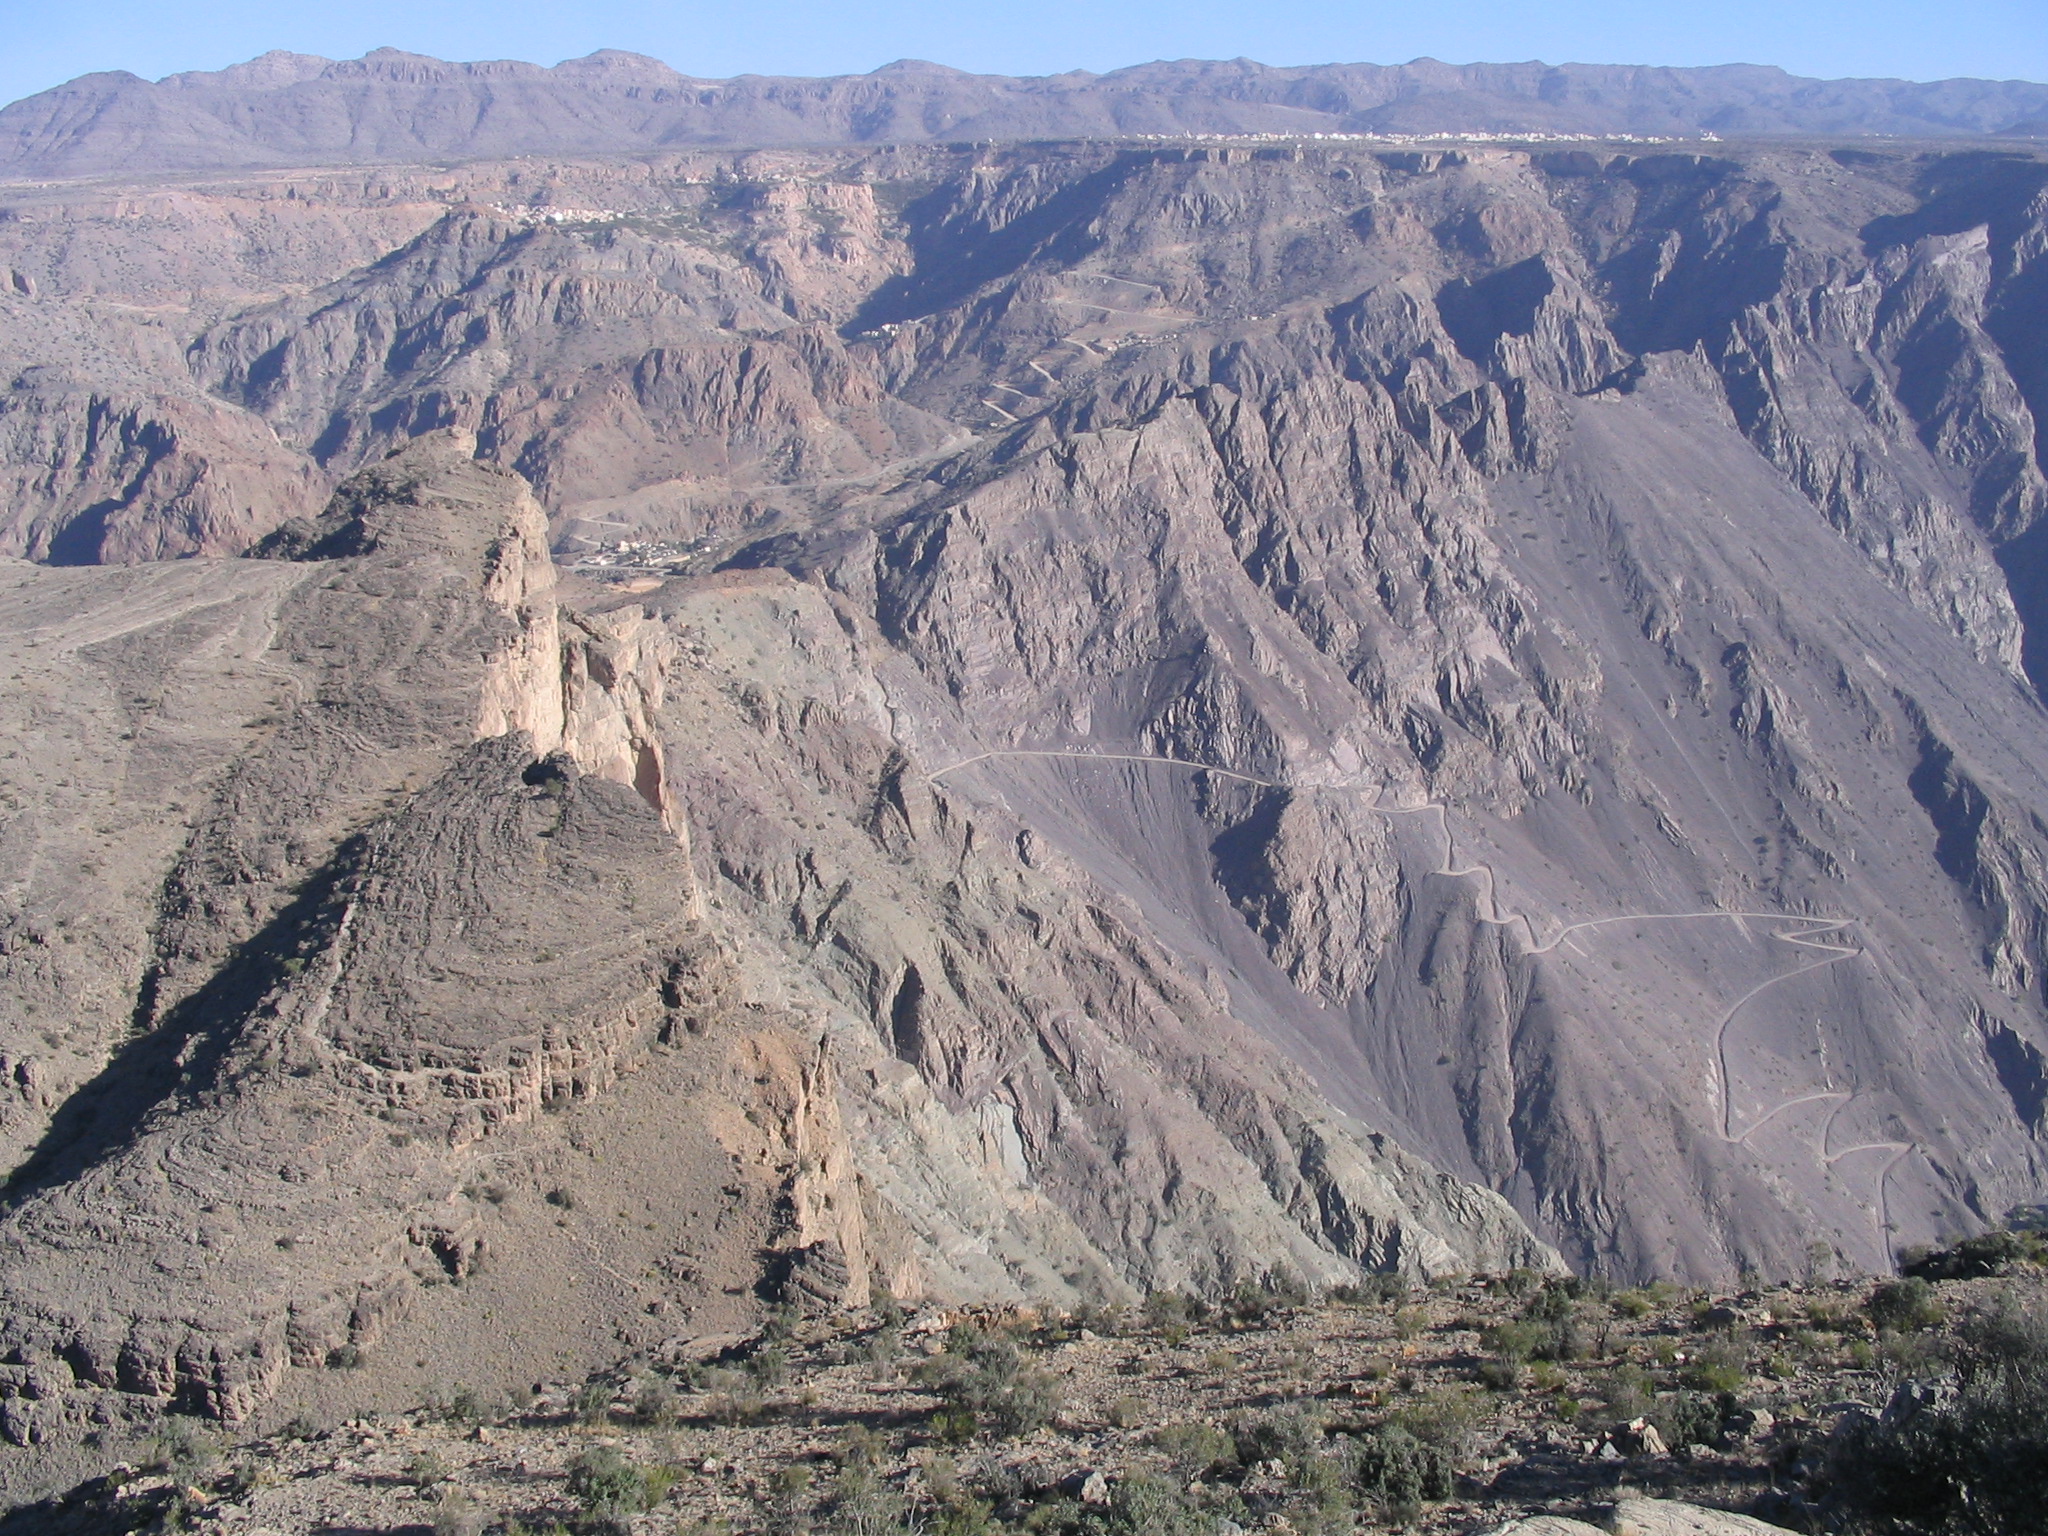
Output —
(456, 1514)
(1976, 1258)
(425, 1470)
(738, 1404)
(1095, 1318)
(860, 1446)
(1398, 1472)
(1247, 1303)
(1901, 1306)
(1374, 1290)
(1633, 1304)
(1444, 1420)
(1720, 1366)
(656, 1483)
(882, 1350)
(1969, 1458)
(655, 1403)
(1195, 1449)
(1290, 1436)
(465, 1405)
(982, 1375)
(1903, 1356)
(863, 1504)
(592, 1403)
(1689, 1418)
(962, 1514)
(1144, 1505)
(1516, 1340)
(1251, 1301)
(1829, 1314)
(1126, 1412)
(244, 1478)
(1553, 1324)
(883, 1302)
(1169, 1309)
(1286, 1288)
(182, 1447)
(606, 1487)
(1628, 1393)
(768, 1366)
(1498, 1375)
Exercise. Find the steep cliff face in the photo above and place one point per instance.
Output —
(1197, 707)
(452, 884)
(1478, 555)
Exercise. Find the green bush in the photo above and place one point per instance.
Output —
(655, 1404)
(768, 1366)
(982, 1376)
(466, 1405)
(1975, 1258)
(182, 1447)
(1195, 1449)
(1901, 1306)
(1628, 1393)
(1374, 1290)
(1144, 1505)
(1445, 1420)
(1498, 1375)
(1969, 1458)
(607, 1487)
(1397, 1472)
(1169, 1309)
(456, 1514)
(1553, 1325)
(592, 1403)
(1720, 1366)
(864, 1505)
(1290, 1436)
(1516, 1341)
(1690, 1418)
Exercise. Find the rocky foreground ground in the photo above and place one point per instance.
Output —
(1452, 1409)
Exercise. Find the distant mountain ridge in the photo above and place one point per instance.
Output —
(287, 109)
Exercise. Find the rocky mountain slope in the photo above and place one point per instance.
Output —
(1420, 1410)
(1119, 718)
(447, 871)
(288, 109)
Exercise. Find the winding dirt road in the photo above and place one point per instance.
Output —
(1787, 928)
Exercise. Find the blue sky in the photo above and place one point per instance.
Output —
(47, 42)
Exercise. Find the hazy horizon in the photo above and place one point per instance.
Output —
(1906, 40)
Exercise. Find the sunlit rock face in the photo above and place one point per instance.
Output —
(1101, 717)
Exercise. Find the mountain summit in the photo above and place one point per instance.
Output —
(287, 109)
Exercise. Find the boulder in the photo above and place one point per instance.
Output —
(1668, 1517)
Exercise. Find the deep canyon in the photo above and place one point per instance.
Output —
(701, 727)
